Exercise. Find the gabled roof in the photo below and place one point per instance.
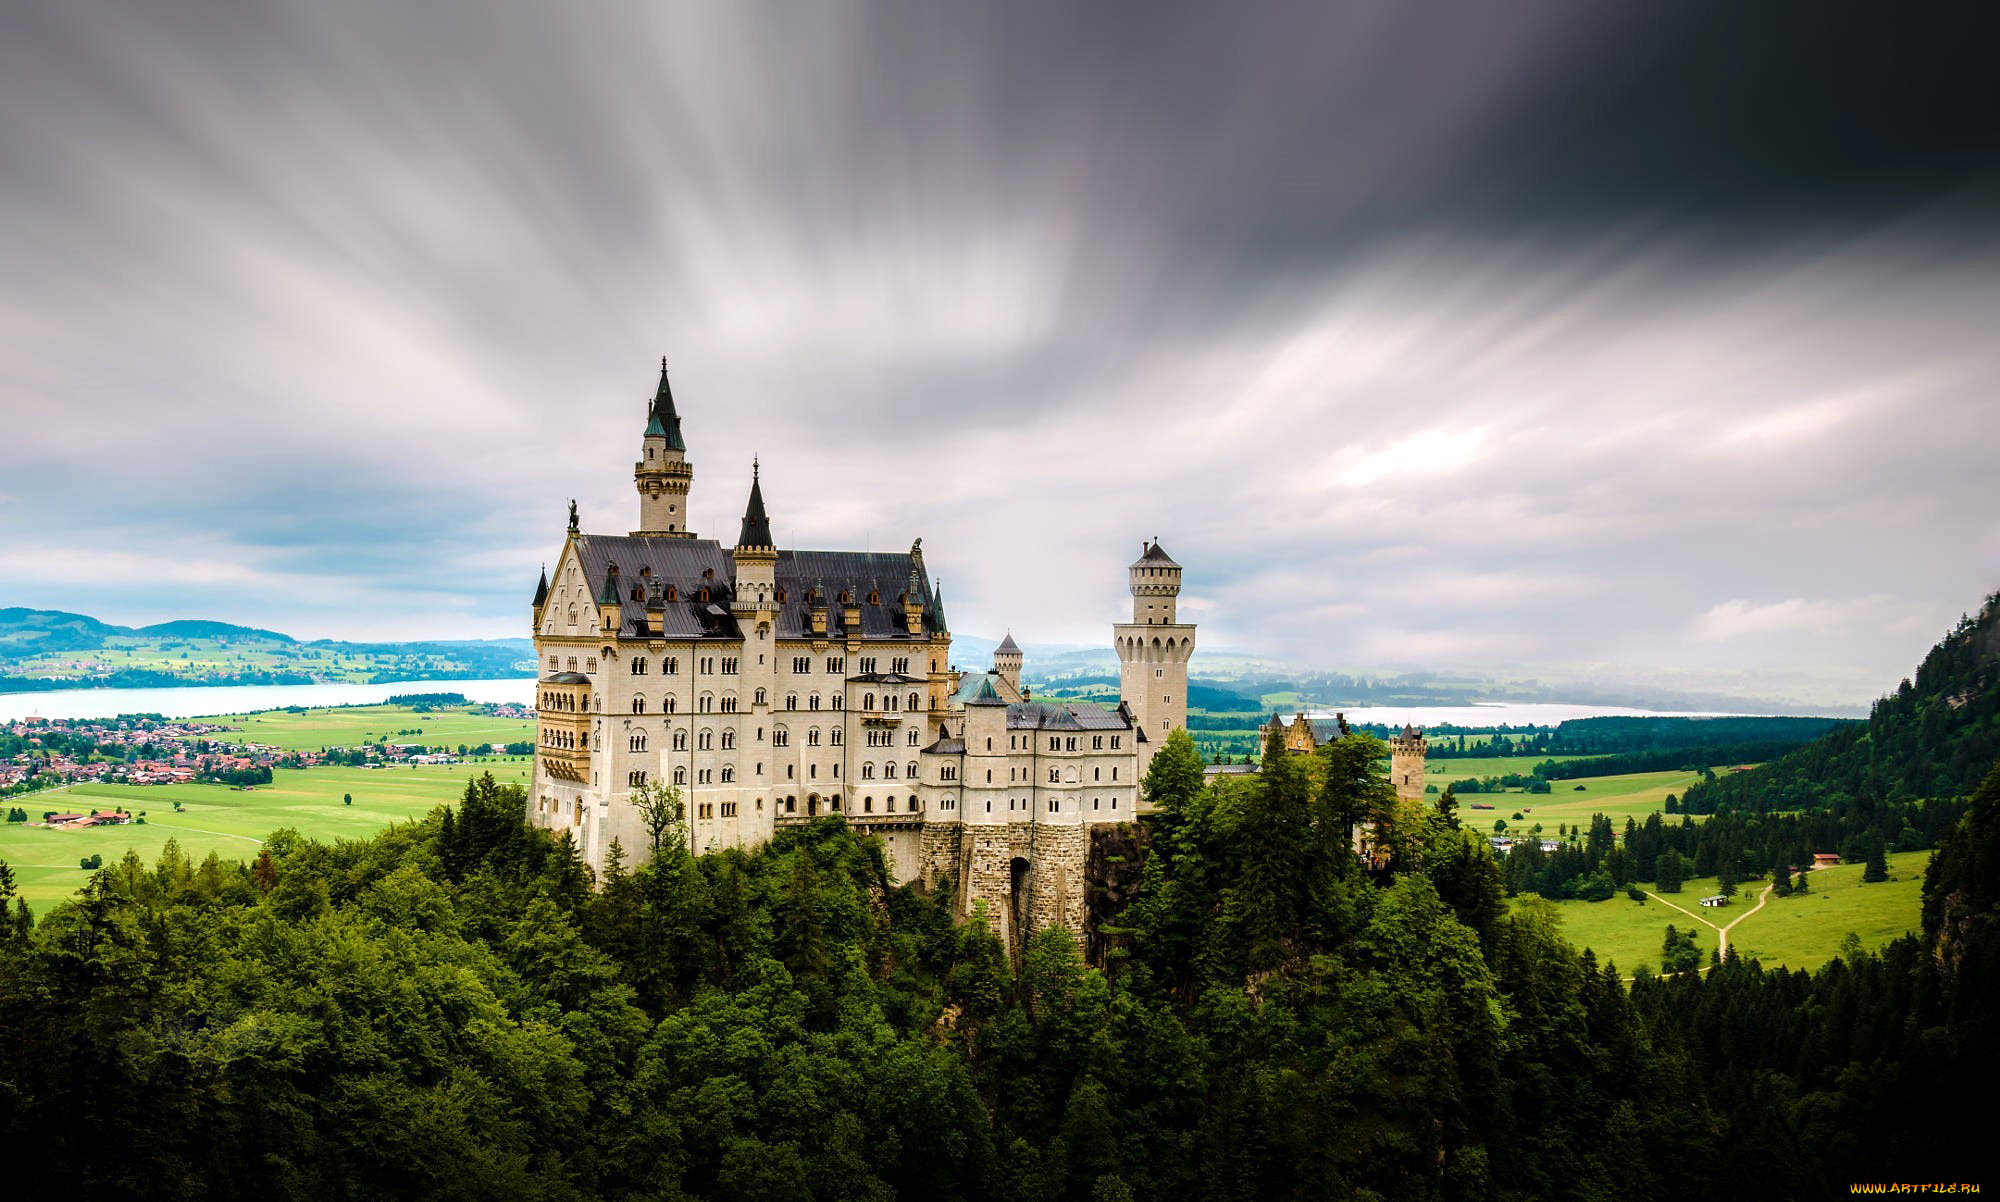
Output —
(661, 420)
(686, 566)
(1065, 715)
(986, 694)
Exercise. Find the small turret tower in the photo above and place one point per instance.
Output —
(756, 556)
(1406, 763)
(1154, 648)
(1007, 661)
(663, 474)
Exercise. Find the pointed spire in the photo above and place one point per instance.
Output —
(542, 589)
(661, 420)
(756, 523)
(937, 606)
(1008, 646)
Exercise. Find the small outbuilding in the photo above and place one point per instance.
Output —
(1713, 902)
(1825, 859)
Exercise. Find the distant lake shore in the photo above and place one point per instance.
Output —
(197, 701)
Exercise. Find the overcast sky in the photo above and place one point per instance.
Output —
(1464, 335)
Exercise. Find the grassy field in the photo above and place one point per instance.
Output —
(1795, 932)
(352, 726)
(229, 822)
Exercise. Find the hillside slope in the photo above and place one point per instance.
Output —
(1937, 735)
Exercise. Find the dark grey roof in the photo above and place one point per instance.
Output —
(1064, 715)
(568, 678)
(884, 678)
(1008, 646)
(756, 531)
(946, 745)
(661, 420)
(1155, 556)
(542, 588)
(680, 564)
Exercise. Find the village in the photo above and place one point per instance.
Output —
(47, 753)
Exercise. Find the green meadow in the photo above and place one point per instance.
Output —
(229, 822)
(354, 725)
(1793, 932)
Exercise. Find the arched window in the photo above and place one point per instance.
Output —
(812, 701)
(812, 736)
(728, 740)
(889, 770)
(728, 773)
(706, 703)
(780, 737)
(680, 740)
(791, 701)
(913, 770)
(915, 703)
(705, 741)
(838, 736)
(759, 698)
(638, 665)
(681, 775)
(867, 772)
(868, 802)
(638, 740)
(667, 704)
(638, 705)
(868, 701)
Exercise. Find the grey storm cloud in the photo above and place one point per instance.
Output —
(1551, 333)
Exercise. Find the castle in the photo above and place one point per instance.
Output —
(1407, 750)
(773, 686)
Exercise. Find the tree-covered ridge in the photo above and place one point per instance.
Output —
(451, 1010)
(1937, 735)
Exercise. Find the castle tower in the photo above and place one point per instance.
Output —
(1154, 648)
(662, 474)
(756, 557)
(1406, 764)
(1007, 661)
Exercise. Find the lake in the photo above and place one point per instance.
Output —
(202, 700)
(195, 702)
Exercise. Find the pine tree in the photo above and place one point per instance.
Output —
(1671, 871)
(1877, 868)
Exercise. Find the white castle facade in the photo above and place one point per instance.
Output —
(774, 686)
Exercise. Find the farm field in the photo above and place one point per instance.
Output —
(1795, 932)
(226, 821)
(352, 726)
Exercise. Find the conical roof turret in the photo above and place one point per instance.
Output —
(661, 420)
(756, 523)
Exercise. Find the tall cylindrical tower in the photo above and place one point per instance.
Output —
(1153, 649)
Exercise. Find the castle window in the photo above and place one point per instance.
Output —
(668, 706)
(868, 701)
(705, 740)
(638, 705)
(680, 740)
(705, 703)
(1055, 777)
(868, 802)
(729, 665)
(812, 736)
(638, 665)
(913, 770)
(635, 778)
(680, 776)
(1097, 742)
(867, 665)
(729, 703)
(914, 703)
(889, 804)
(867, 772)
(759, 697)
(670, 665)
(835, 664)
(1070, 743)
(1114, 775)
(1114, 742)
(801, 664)
(1053, 801)
(590, 664)
(728, 740)
(638, 741)
(838, 736)
(1097, 774)
(889, 770)
(728, 773)
(1114, 803)
(900, 664)
(791, 701)
(989, 776)
(812, 702)
(913, 736)
(838, 701)
(1055, 744)
(780, 737)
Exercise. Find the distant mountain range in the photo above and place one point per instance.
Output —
(43, 649)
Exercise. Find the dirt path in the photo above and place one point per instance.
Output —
(1721, 932)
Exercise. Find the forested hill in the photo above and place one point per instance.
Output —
(1936, 736)
(49, 649)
